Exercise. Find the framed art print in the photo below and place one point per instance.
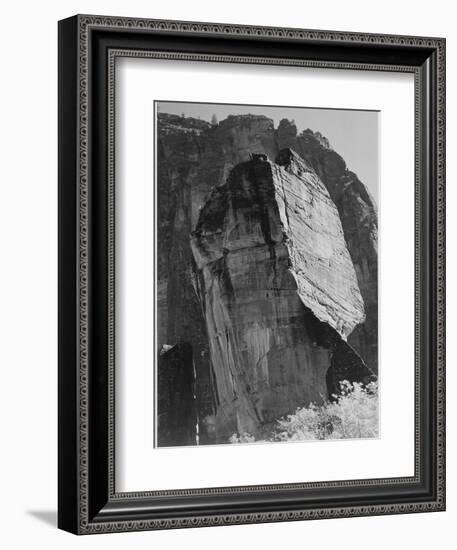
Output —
(251, 280)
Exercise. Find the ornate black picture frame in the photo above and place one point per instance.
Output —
(88, 501)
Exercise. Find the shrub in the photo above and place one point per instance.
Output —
(243, 438)
(353, 414)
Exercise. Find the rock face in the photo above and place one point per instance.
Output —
(279, 291)
(194, 160)
(358, 214)
(176, 410)
(193, 157)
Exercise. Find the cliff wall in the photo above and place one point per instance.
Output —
(194, 159)
(279, 292)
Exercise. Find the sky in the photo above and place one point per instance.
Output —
(354, 134)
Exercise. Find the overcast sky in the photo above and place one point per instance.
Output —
(353, 134)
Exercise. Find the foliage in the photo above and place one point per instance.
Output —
(353, 414)
(243, 438)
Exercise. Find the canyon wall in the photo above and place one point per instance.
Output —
(279, 291)
(176, 407)
(194, 161)
(192, 157)
(359, 218)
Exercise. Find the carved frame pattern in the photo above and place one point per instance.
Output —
(85, 25)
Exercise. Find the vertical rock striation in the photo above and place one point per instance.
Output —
(278, 289)
(179, 316)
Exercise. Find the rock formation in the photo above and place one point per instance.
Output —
(194, 161)
(278, 288)
(192, 158)
(176, 408)
(358, 214)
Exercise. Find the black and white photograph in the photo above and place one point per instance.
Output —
(225, 300)
(266, 274)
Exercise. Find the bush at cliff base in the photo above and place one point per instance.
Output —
(352, 415)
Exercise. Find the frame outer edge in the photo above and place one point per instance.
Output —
(68, 452)
(441, 274)
(84, 23)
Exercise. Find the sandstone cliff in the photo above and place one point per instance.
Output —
(192, 158)
(194, 161)
(279, 292)
(177, 414)
(358, 214)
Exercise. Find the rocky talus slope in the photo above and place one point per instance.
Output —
(267, 270)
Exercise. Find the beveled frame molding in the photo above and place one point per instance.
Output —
(88, 48)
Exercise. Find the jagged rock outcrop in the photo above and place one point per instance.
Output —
(278, 290)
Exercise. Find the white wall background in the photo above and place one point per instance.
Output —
(28, 301)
